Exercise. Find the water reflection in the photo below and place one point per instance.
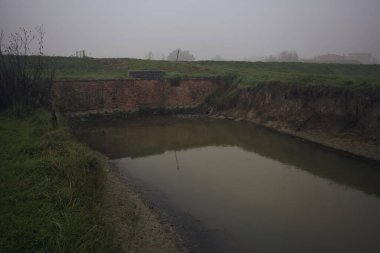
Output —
(261, 191)
(155, 135)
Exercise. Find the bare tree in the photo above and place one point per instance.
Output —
(179, 55)
(26, 75)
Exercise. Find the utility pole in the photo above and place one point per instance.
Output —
(177, 55)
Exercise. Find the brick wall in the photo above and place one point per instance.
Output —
(131, 95)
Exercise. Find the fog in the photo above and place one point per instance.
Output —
(233, 29)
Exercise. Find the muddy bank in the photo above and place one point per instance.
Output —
(136, 225)
(346, 119)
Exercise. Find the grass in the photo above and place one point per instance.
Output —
(49, 189)
(249, 73)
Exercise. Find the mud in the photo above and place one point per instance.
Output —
(339, 118)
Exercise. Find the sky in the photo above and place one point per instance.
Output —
(233, 29)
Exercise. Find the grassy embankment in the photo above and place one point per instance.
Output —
(247, 73)
(49, 188)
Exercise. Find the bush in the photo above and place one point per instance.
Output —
(26, 76)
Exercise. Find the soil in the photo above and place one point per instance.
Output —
(348, 144)
(346, 120)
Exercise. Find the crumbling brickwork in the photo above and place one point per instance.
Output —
(131, 95)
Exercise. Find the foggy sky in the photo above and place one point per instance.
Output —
(233, 29)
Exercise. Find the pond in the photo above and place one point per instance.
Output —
(235, 187)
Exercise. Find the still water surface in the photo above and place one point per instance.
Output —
(247, 188)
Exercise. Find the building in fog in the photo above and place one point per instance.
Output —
(355, 58)
(360, 58)
(330, 58)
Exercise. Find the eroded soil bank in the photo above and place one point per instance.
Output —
(346, 119)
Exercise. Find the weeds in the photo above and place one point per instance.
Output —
(26, 76)
(50, 187)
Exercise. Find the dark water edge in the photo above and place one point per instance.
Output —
(133, 139)
(194, 236)
(347, 175)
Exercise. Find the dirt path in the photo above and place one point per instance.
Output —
(137, 227)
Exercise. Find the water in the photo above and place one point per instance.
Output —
(235, 187)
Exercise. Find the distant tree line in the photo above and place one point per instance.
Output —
(284, 56)
(180, 55)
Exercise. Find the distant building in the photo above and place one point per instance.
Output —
(330, 58)
(355, 58)
(361, 58)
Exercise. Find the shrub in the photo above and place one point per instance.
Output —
(26, 76)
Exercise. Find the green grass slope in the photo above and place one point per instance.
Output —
(249, 73)
(49, 189)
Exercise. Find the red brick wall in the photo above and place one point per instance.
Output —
(130, 95)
